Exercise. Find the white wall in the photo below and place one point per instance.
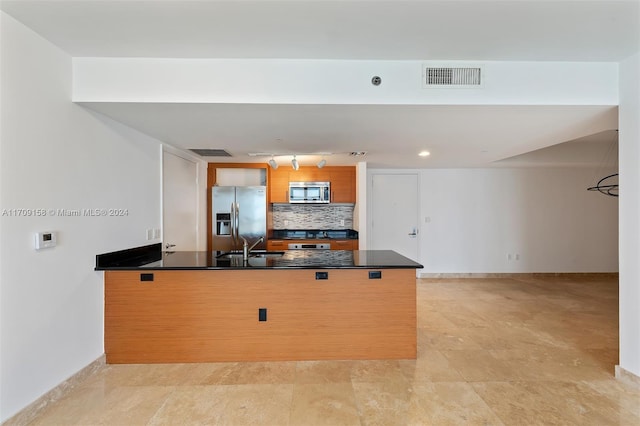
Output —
(630, 215)
(57, 155)
(335, 82)
(476, 217)
(360, 210)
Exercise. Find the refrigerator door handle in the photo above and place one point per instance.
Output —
(233, 225)
(237, 226)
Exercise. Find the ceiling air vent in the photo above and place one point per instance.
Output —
(452, 76)
(211, 152)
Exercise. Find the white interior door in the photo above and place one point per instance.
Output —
(394, 213)
(179, 202)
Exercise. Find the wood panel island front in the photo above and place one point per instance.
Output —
(174, 307)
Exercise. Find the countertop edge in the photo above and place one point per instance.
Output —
(150, 258)
(244, 268)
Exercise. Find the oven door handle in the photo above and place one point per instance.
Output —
(302, 246)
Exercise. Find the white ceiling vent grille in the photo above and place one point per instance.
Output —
(452, 76)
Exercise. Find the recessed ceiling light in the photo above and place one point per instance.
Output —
(424, 154)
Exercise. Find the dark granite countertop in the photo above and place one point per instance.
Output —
(291, 259)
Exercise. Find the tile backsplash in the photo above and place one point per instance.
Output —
(312, 216)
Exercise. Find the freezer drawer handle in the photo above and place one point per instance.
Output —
(322, 275)
(375, 275)
(146, 277)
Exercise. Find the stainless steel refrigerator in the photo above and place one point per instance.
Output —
(238, 211)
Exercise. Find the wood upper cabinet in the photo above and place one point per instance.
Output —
(342, 180)
(309, 174)
(343, 185)
(278, 182)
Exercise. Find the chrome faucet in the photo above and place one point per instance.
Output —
(246, 249)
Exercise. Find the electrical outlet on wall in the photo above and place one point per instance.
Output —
(342, 222)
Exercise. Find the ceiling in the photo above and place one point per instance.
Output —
(465, 30)
(380, 30)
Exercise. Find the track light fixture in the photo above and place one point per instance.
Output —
(273, 163)
(294, 161)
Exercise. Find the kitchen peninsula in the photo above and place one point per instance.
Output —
(163, 307)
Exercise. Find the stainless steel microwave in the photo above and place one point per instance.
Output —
(309, 192)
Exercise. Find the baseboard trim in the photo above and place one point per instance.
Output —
(33, 410)
(524, 275)
(625, 376)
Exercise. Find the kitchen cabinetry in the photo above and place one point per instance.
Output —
(276, 245)
(310, 174)
(342, 180)
(161, 316)
(343, 185)
(278, 186)
(346, 244)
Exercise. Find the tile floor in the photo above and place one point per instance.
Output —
(524, 351)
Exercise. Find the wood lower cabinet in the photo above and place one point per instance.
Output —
(277, 245)
(209, 316)
(344, 244)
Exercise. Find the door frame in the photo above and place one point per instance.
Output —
(376, 172)
(201, 197)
